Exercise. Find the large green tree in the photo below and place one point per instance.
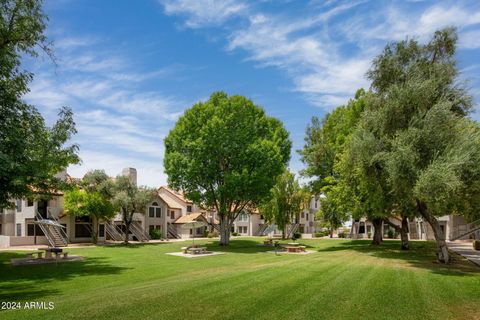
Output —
(81, 203)
(225, 153)
(92, 197)
(129, 199)
(287, 199)
(30, 152)
(326, 142)
(423, 145)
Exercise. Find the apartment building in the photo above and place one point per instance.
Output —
(454, 227)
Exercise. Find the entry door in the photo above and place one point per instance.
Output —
(42, 208)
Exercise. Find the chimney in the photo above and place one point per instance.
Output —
(131, 173)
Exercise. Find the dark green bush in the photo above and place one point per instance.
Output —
(155, 234)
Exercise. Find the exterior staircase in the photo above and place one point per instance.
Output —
(261, 230)
(138, 232)
(53, 231)
(293, 228)
(172, 232)
(465, 230)
(113, 232)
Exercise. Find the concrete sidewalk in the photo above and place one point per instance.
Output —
(466, 250)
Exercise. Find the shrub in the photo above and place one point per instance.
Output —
(155, 234)
(476, 244)
(390, 234)
(322, 234)
(369, 234)
(235, 234)
(342, 234)
(213, 234)
(296, 235)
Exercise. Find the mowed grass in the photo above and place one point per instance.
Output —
(342, 280)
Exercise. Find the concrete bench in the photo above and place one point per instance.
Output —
(294, 248)
(197, 250)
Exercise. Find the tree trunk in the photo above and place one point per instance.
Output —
(442, 249)
(284, 232)
(377, 231)
(404, 233)
(403, 230)
(127, 231)
(224, 230)
(331, 232)
(95, 230)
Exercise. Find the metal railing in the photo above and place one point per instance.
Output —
(63, 233)
(138, 232)
(465, 230)
(54, 233)
(113, 231)
(293, 228)
(171, 231)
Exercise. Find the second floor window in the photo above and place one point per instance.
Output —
(243, 217)
(154, 211)
(189, 208)
(19, 205)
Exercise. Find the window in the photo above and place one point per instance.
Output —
(316, 204)
(82, 230)
(154, 211)
(242, 229)
(189, 208)
(19, 205)
(307, 216)
(29, 203)
(303, 215)
(34, 230)
(243, 217)
(172, 214)
(19, 229)
(150, 228)
(101, 230)
(158, 227)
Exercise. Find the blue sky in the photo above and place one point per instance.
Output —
(130, 68)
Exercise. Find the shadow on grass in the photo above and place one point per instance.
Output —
(421, 255)
(21, 283)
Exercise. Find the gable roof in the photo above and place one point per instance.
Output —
(197, 216)
(177, 194)
(170, 203)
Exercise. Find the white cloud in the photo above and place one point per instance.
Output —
(311, 48)
(119, 122)
(204, 12)
(469, 39)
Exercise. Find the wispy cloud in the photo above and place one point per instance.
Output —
(326, 52)
(119, 122)
(204, 13)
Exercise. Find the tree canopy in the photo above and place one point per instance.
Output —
(286, 201)
(225, 153)
(415, 136)
(129, 199)
(30, 152)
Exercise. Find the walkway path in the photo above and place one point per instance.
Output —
(466, 250)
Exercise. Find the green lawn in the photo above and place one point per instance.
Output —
(343, 280)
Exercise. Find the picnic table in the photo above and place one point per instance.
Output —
(56, 251)
(268, 242)
(197, 250)
(294, 247)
